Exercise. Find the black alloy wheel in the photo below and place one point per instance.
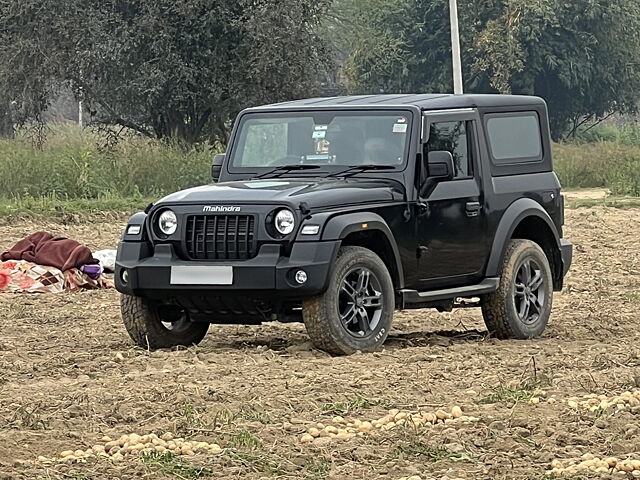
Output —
(361, 303)
(529, 292)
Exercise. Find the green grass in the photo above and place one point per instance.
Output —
(599, 165)
(246, 412)
(58, 208)
(521, 391)
(72, 164)
(626, 134)
(611, 202)
(166, 463)
(414, 447)
(518, 395)
(349, 406)
(318, 469)
(245, 440)
(256, 462)
(73, 171)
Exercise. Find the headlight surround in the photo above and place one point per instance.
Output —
(167, 223)
(284, 221)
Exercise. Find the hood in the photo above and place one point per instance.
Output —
(316, 192)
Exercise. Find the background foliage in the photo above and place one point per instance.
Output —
(163, 68)
(184, 68)
(167, 77)
(73, 165)
(582, 56)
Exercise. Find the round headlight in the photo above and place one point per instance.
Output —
(168, 222)
(285, 221)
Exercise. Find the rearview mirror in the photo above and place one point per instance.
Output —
(440, 165)
(216, 166)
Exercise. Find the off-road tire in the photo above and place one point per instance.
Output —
(499, 308)
(143, 321)
(321, 313)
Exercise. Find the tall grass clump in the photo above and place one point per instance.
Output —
(625, 134)
(72, 164)
(611, 165)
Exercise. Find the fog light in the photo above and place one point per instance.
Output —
(124, 275)
(301, 277)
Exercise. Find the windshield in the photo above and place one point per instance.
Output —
(324, 139)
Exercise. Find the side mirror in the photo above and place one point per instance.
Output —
(216, 166)
(440, 165)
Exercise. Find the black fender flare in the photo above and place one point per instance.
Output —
(340, 226)
(515, 213)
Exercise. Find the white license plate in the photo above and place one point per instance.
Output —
(201, 275)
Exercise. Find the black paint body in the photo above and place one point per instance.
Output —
(444, 242)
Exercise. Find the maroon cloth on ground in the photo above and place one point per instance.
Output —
(45, 249)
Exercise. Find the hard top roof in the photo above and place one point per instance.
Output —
(424, 101)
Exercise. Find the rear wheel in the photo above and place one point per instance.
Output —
(153, 326)
(356, 311)
(521, 306)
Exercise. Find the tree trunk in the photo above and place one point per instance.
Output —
(6, 122)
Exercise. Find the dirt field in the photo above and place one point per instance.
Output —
(69, 375)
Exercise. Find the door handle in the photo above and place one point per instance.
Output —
(473, 209)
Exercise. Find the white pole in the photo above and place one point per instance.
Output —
(455, 47)
(80, 109)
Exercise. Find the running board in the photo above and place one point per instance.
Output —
(488, 285)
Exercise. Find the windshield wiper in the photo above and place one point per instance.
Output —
(360, 168)
(287, 168)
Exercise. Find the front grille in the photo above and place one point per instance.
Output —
(220, 237)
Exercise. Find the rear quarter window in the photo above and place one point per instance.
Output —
(514, 137)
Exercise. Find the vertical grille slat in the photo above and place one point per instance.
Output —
(191, 233)
(220, 237)
(204, 240)
(226, 236)
(214, 235)
(236, 235)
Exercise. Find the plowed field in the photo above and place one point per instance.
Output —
(69, 375)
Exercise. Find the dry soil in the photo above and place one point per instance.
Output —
(69, 375)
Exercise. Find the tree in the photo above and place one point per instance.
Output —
(6, 120)
(164, 68)
(582, 56)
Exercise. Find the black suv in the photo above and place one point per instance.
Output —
(338, 211)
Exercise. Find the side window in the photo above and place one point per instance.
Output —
(453, 137)
(514, 137)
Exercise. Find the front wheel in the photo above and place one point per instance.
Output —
(356, 311)
(521, 306)
(151, 325)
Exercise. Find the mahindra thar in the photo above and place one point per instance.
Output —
(338, 211)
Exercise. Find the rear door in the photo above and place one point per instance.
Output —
(452, 225)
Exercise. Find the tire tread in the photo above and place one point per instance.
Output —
(144, 326)
(317, 314)
(494, 306)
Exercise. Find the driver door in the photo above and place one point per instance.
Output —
(452, 224)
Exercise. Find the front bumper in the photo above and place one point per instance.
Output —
(566, 251)
(269, 274)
